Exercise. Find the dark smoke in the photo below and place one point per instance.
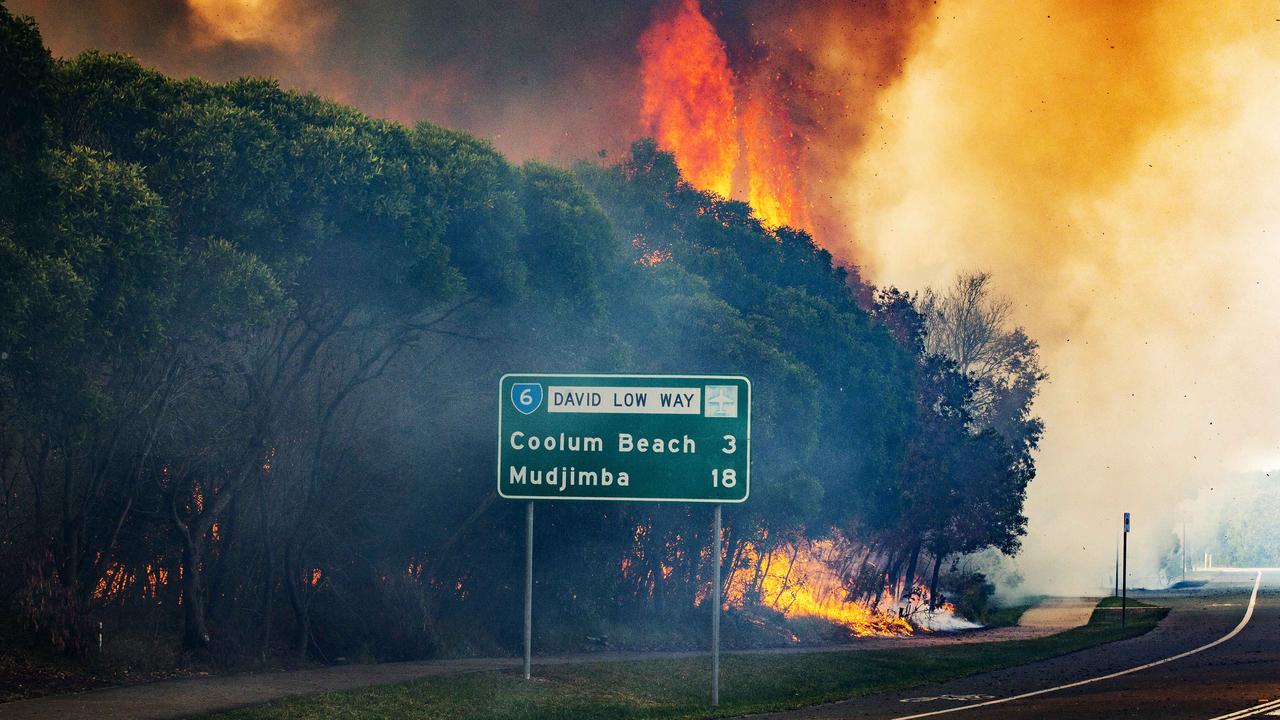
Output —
(551, 80)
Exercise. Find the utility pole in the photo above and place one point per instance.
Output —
(1116, 590)
(1124, 575)
(1184, 551)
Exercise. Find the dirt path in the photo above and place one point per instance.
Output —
(194, 696)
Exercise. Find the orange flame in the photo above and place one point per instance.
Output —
(798, 581)
(688, 102)
(773, 162)
(690, 105)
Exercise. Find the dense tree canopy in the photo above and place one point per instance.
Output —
(250, 339)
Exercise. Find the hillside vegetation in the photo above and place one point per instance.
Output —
(250, 340)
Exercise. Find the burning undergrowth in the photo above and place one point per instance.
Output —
(830, 581)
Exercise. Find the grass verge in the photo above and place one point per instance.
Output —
(678, 688)
(1115, 601)
(1010, 614)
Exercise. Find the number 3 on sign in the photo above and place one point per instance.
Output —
(732, 447)
(727, 477)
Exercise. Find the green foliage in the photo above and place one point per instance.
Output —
(570, 249)
(971, 593)
(476, 190)
(250, 339)
(26, 73)
(229, 289)
(1116, 601)
(219, 168)
(87, 288)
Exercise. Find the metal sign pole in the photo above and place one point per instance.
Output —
(1116, 592)
(1124, 575)
(715, 612)
(528, 588)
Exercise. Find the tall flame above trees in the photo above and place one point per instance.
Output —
(688, 102)
(730, 136)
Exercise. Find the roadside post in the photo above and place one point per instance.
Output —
(528, 588)
(1184, 551)
(625, 438)
(1115, 592)
(716, 552)
(1124, 576)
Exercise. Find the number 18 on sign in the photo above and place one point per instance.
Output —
(684, 438)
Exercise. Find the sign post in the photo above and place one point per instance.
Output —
(1124, 576)
(1116, 590)
(631, 438)
(715, 612)
(528, 588)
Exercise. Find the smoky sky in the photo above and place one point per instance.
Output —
(501, 70)
(550, 80)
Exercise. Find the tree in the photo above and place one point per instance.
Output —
(26, 74)
(973, 327)
(247, 355)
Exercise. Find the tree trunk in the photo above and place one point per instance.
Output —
(890, 580)
(856, 590)
(933, 583)
(195, 632)
(659, 586)
(909, 580)
(301, 614)
(726, 573)
(764, 561)
(782, 587)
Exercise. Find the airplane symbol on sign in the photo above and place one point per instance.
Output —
(722, 401)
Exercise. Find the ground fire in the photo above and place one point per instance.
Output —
(805, 579)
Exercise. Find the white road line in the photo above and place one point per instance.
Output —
(1250, 712)
(1248, 614)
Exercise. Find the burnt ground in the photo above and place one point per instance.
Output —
(22, 676)
(32, 673)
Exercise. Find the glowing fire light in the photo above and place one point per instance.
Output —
(797, 581)
(773, 180)
(280, 25)
(691, 106)
(688, 96)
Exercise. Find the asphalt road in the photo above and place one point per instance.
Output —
(1238, 677)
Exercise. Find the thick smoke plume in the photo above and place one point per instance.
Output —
(1112, 164)
(1115, 166)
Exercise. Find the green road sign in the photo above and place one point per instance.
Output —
(684, 438)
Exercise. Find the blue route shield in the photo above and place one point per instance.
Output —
(526, 397)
